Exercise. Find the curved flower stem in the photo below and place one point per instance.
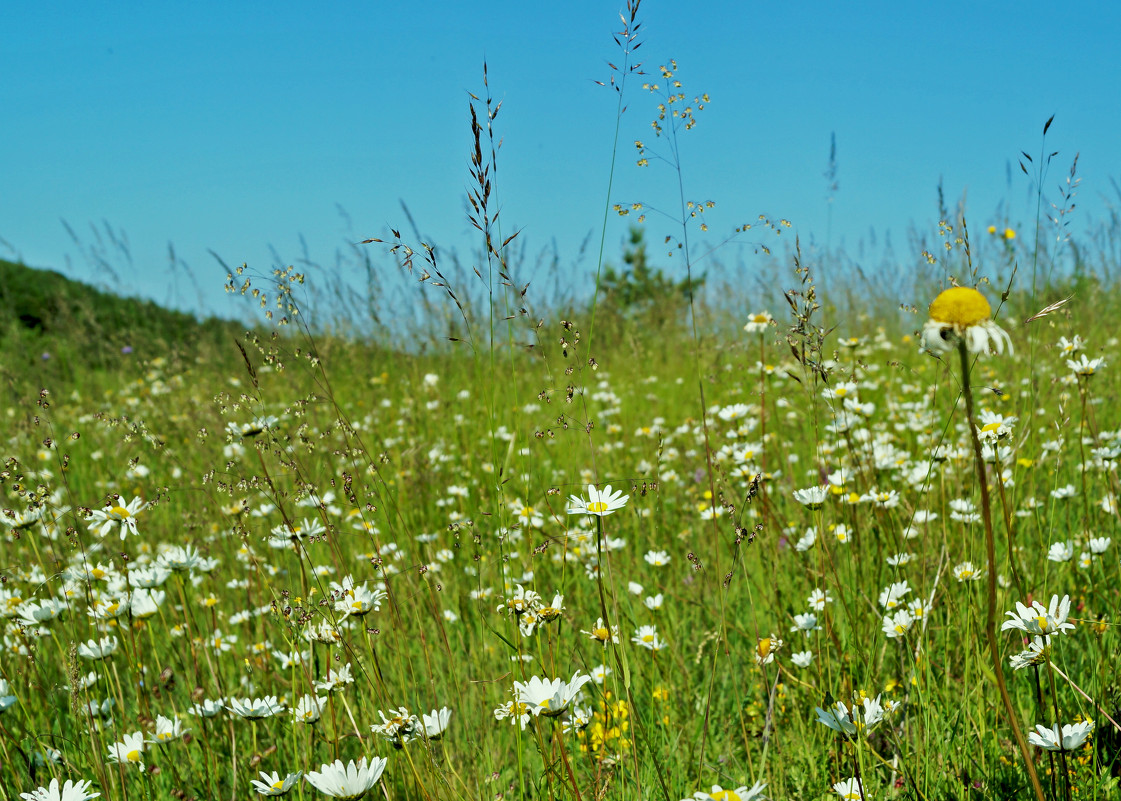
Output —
(990, 554)
(1006, 516)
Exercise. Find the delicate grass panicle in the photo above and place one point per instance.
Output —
(832, 556)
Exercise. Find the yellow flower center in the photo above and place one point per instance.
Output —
(597, 506)
(764, 647)
(278, 785)
(120, 512)
(960, 306)
(600, 633)
(1042, 622)
(725, 795)
(133, 756)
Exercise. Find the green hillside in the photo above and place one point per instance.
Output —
(44, 307)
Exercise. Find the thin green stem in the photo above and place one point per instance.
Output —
(990, 552)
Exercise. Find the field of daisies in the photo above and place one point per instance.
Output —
(863, 560)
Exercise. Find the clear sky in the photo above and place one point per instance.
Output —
(242, 127)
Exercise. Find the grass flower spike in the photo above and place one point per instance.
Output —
(962, 313)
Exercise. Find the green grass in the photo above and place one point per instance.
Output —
(366, 426)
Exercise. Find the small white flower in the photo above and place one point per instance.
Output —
(893, 595)
(129, 750)
(1040, 619)
(647, 637)
(257, 708)
(812, 498)
(549, 697)
(308, 709)
(335, 679)
(818, 599)
(1070, 738)
(806, 541)
(124, 516)
(71, 791)
(898, 624)
(98, 649)
(600, 503)
(657, 558)
(1061, 552)
(1037, 652)
(167, 729)
(271, 785)
(967, 572)
(1085, 367)
(351, 780)
(757, 323)
(849, 790)
(805, 623)
(435, 723)
(1098, 545)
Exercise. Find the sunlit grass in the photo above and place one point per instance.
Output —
(195, 558)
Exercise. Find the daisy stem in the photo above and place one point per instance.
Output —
(763, 414)
(1006, 516)
(1042, 714)
(856, 770)
(558, 732)
(990, 552)
(412, 767)
(1058, 724)
(1084, 391)
(1066, 773)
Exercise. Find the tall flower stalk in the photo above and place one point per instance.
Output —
(960, 319)
(990, 555)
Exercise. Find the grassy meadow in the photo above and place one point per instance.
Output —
(651, 546)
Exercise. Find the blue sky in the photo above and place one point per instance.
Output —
(242, 127)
